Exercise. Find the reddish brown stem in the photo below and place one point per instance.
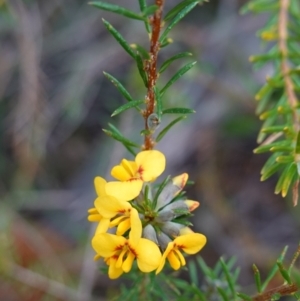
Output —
(283, 290)
(152, 71)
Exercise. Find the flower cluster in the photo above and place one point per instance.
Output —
(140, 221)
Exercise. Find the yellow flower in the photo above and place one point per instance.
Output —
(148, 165)
(110, 207)
(189, 243)
(120, 252)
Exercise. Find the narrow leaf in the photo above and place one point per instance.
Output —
(115, 133)
(119, 86)
(175, 77)
(257, 278)
(177, 18)
(285, 159)
(168, 127)
(284, 273)
(267, 147)
(222, 294)
(268, 172)
(144, 53)
(176, 9)
(150, 10)
(117, 9)
(279, 184)
(159, 190)
(140, 65)
(178, 111)
(126, 106)
(288, 179)
(119, 38)
(143, 6)
(228, 277)
(166, 64)
(158, 103)
(297, 149)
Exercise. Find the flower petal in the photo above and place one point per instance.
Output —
(151, 164)
(136, 228)
(127, 264)
(110, 206)
(173, 260)
(125, 191)
(125, 171)
(190, 243)
(113, 271)
(123, 226)
(107, 244)
(148, 255)
(164, 256)
(103, 226)
(100, 186)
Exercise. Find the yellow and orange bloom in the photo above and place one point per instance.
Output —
(120, 252)
(189, 243)
(148, 165)
(143, 217)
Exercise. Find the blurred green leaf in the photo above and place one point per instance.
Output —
(119, 39)
(228, 277)
(126, 106)
(176, 9)
(257, 278)
(140, 65)
(178, 111)
(292, 171)
(166, 64)
(150, 10)
(281, 179)
(119, 86)
(158, 102)
(184, 11)
(116, 134)
(168, 127)
(144, 53)
(117, 9)
(174, 78)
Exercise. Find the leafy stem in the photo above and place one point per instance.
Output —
(151, 71)
(282, 43)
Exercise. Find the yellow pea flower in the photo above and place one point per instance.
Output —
(148, 165)
(120, 252)
(189, 243)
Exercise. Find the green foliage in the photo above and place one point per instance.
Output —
(142, 58)
(278, 103)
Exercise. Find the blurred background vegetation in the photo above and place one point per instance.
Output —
(54, 101)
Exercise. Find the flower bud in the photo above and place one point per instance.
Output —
(149, 233)
(171, 229)
(192, 205)
(165, 216)
(163, 240)
(171, 190)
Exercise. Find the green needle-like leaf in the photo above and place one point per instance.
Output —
(168, 127)
(175, 77)
(257, 278)
(292, 171)
(126, 106)
(150, 10)
(119, 38)
(116, 134)
(144, 53)
(268, 172)
(117, 9)
(176, 9)
(119, 86)
(178, 111)
(177, 18)
(279, 184)
(284, 273)
(143, 7)
(223, 294)
(158, 103)
(166, 64)
(228, 277)
(140, 65)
